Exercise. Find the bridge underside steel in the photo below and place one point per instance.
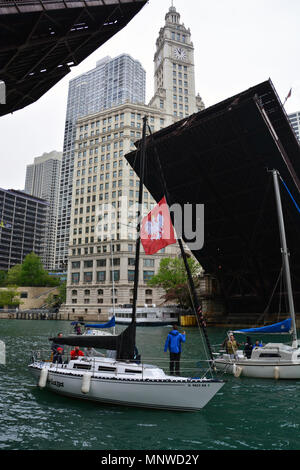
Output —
(220, 157)
(41, 40)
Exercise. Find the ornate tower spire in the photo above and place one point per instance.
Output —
(174, 72)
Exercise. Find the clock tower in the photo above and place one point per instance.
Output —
(174, 71)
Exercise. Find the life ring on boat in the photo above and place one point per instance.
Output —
(86, 383)
(276, 373)
(43, 377)
(237, 370)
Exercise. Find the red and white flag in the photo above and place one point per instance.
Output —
(157, 230)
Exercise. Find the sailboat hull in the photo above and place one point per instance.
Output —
(273, 361)
(261, 371)
(158, 392)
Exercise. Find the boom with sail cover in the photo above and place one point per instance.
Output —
(123, 344)
(109, 324)
(283, 327)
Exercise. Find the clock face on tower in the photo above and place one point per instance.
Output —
(180, 53)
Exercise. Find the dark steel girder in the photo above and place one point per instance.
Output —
(41, 40)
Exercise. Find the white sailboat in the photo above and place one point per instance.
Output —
(274, 360)
(123, 380)
(124, 383)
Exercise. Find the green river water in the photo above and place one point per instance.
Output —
(247, 414)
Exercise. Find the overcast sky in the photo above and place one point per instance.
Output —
(238, 44)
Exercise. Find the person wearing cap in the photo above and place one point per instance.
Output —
(54, 347)
(58, 355)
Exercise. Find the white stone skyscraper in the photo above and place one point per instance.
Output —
(106, 189)
(110, 83)
(42, 181)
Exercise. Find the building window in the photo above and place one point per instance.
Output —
(148, 275)
(116, 275)
(88, 276)
(101, 263)
(149, 263)
(88, 264)
(101, 276)
(75, 264)
(75, 278)
(115, 262)
(130, 275)
(74, 292)
(148, 292)
(24, 295)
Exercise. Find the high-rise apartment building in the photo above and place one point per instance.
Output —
(295, 122)
(42, 180)
(22, 227)
(106, 188)
(111, 82)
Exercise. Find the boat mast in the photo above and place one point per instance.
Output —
(285, 256)
(138, 238)
(113, 280)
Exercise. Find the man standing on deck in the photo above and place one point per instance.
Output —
(173, 343)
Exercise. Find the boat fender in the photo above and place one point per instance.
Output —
(86, 383)
(43, 377)
(237, 370)
(276, 373)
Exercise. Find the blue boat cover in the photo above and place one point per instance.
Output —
(110, 324)
(281, 327)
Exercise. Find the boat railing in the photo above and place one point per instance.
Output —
(188, 367)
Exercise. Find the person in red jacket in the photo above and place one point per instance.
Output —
(76, 352)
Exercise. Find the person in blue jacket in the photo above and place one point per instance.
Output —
(173, 343)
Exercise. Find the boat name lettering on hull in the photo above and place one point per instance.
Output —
(55, 383)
